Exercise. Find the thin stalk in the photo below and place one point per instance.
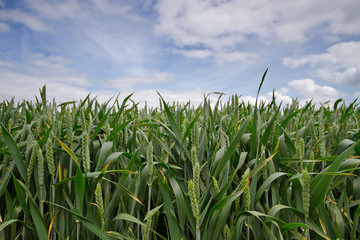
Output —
(70, 170)
(307, 234)
(267, 197)
(247, 231)
(24, 219)
(41, 207)
(185, 172)
(53, 200)
(187, 232)
(3, 234)
(78, 230)
(198, 234)
(149, 198)
(138, 226)
(185, 177)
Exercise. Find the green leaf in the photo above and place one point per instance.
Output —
(7, 223)
(337, 103)
(262, 81)
(182, 203)
(174, 127)
(91, 226)
(269, 128)
(289, 226)
(233, 146)
(105, 151)
(266, 184)
(320, 184)
(21, 195)
(115, 197)
(5, 178)
(173, 225)
(79, 190)
(255, 133)
(15, 153)
(258, 215)
(326, 221)
(226, 201)
(275, 209)
(35, 214)
(68, 150)
(261, 165)
(128, 217)
(355, 229)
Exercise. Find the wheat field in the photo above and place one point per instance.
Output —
(220, 170)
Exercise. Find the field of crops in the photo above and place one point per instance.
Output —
(221, 170)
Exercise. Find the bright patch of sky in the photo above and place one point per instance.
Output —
(180, 48)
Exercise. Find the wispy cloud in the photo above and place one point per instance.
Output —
(29, 20)
(4, 27)
(130, 82)
(56, 10)
(219, 57)
(64, 83)
(23, 80)
(197, 53)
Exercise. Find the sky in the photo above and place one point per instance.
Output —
(183, 49)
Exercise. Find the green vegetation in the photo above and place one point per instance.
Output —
(223, 170)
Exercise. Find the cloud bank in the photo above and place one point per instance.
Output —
(339, 65)
(217, 27)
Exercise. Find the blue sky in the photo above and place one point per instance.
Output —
(181, 48)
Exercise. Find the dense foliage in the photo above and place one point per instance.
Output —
(222, 170)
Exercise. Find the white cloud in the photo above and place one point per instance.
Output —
(197, 53)
(54, 69)
(25, 86)
(110, 7)
(251, 100)
(182, 95)
(93, 34)
(225, 57)
(75, 9)
(4, 27)
(219, 57)
(130, 82)
(80, 13)
(312, 59)
(2, 3)
(280, 96)
(65, 83)
(17, 16)
(340, 64)
(221, 26)
(343, 54)
(122, 46)
(148, 4)
(23, 80)
(56, 9)
(6, 64)
(150, 96)
(349, 76)
(309, 89)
